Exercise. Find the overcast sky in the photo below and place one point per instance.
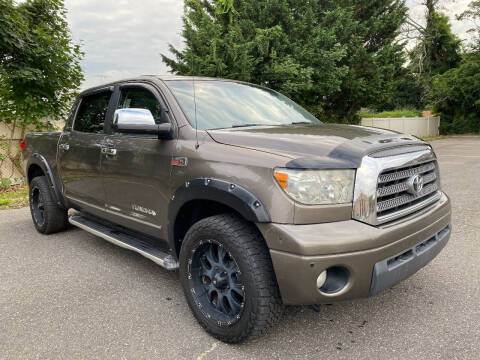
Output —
(123, 38)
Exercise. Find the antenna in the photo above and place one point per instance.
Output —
(195, 104)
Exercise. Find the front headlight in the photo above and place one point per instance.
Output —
(317, 187)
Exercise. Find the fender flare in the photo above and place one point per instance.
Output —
(40, 161)
(232, 195)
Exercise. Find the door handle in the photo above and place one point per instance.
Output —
(64, 147)
(109, 151)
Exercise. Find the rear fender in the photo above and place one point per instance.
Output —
(39, 160)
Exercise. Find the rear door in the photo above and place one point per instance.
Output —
(79, 152)
(137, 175)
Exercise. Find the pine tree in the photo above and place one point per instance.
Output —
(331, 56)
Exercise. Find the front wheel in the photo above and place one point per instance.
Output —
(228, 278)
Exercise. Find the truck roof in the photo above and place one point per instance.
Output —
(167, 77)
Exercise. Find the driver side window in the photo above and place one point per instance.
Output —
(140, 98)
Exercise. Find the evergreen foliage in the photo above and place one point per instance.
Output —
(456, 93)
(437, 50)
(331, 56)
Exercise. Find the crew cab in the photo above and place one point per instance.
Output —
(252, 199)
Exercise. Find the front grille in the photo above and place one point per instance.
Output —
(395, 198)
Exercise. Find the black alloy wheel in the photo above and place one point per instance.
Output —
(37, 206)
(48, 217)
(228, 278)
(216, 282)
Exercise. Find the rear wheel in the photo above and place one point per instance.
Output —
(47, 216)
(228, 278)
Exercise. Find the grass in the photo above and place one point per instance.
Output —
(392, 114)
(430, 138)
(14, 197)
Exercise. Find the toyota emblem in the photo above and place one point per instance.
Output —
(415, 184)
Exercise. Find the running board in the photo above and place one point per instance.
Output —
(125, 241)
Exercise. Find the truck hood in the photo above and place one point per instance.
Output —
(315, 146)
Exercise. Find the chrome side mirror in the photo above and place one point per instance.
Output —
(140, 121)
(133, 119)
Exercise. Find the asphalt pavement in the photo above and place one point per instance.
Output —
(75, 296)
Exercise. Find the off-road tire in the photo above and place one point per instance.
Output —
(55, 219)
(263, 306)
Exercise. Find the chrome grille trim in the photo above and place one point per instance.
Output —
(400, 187)
(381, 191)
(413, 209)
(405, 199)
(406, 173)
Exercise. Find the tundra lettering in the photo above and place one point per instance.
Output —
(143, 210)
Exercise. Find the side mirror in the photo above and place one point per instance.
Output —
(140, 121)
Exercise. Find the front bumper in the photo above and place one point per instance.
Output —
(376, 258)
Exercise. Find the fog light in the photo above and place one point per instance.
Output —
(321, 279)
(335, 280)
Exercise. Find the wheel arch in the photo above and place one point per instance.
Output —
(38, 166)
(203, 197)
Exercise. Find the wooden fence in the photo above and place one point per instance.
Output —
(10, 159)
(10, 155)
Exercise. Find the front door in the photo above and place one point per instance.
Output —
(79, 153)
(137, 170)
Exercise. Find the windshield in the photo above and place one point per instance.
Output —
(227, 104)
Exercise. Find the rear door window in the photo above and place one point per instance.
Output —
(92, 112)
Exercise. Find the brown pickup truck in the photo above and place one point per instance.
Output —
(256, 202)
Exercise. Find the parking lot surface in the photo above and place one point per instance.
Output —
(75, 296)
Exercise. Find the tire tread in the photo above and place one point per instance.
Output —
(246, 236)
(56, 218)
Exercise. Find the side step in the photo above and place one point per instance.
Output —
(125, 241)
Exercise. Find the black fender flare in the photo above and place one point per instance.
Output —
(40, 161)
(232, 195)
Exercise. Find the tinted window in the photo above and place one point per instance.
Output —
(139, 98)
(226, 104)
(92, 112)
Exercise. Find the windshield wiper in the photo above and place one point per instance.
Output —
(300, 122)
(245, 125)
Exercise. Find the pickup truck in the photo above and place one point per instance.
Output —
(253, 200)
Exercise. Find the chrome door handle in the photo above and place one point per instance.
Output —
(64, 147)
(109, 151)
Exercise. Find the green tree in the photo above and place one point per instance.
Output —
(39, 63)
(456, 95)
(333, 57)
(437, 50)
(407, 93)
(473, 14)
